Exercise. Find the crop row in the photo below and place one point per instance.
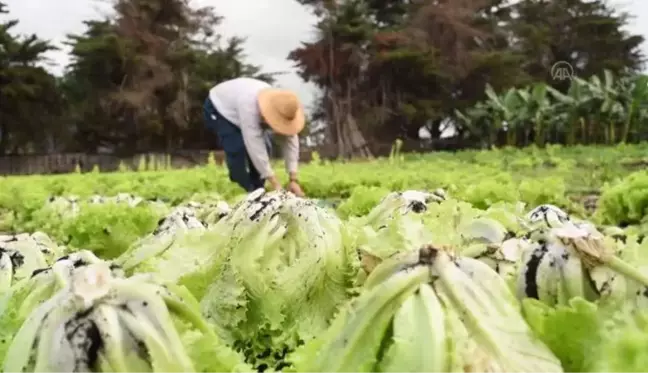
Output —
(577, 179)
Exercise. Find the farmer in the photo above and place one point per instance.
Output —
(243, 113)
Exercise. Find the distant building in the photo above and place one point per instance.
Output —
(447, 127)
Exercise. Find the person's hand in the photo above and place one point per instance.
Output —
(295, 188)
(274, 183)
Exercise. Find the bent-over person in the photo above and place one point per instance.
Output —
(243, 113)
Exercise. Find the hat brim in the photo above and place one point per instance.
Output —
(276, 121)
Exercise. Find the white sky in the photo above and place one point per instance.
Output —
(272, 27)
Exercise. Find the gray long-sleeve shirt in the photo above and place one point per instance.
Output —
(236, 100)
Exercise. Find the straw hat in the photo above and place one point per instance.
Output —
(282, 111)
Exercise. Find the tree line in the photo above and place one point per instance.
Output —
(136, 83)
(384, 69)
(388, 67)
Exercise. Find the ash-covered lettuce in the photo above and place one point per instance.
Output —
(83, 314)
(268, 273)
(279, 277)
(183, 241)
(394, 225)
(21, 254)
(175, 247)
(36, 288)
(209, 208)
(589, 337)
(429, 310)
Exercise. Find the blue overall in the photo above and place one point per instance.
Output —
(240, 166)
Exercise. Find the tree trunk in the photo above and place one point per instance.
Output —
(612, 132)
(511, 136)
(357, 142)
(359, 146)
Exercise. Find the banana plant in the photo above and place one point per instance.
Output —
(598, 109)
(610, 110)
(476, 121)
(575, 105)
(509, 109)
(535, 108)
(636, 103)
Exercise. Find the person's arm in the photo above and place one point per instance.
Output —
(291, 155)
(254, 142)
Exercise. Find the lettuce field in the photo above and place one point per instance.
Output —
(511, 260)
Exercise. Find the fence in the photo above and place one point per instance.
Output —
(69, 162)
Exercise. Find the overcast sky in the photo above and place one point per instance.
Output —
(272, 27)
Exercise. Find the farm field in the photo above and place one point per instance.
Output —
(572, 178)
(500, 260)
